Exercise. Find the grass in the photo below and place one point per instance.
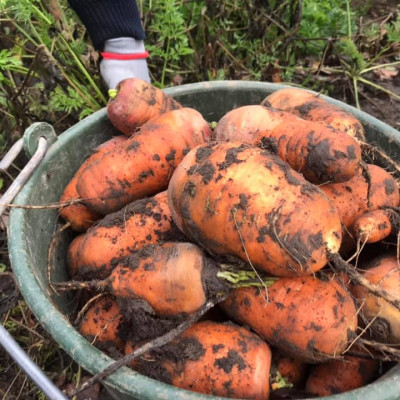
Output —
(49, 72)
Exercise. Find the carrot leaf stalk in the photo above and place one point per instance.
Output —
(245, 278)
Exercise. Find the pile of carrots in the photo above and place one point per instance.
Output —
(275, 215)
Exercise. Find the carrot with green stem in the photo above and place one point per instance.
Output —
(174, 279)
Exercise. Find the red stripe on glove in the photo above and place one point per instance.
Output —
(119, 56)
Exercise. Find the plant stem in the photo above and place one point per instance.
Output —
(379, 87)
(84, 71)
(356, 92)
(380, 66)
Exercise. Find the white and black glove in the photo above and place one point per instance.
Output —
(123, 58)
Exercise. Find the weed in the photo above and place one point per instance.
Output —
(43, 63)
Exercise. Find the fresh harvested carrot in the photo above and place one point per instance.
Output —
(361, 194)
(319, 152)
(373, 226)
(103, 324)
(339, 376)
(142, 165)
(286, 372)
(239, 200)
(312, 107)
(383, 319)
(135, 103)
(175, 279)
(212, 358)
(79, 215)
(304, 317)
(141, 223)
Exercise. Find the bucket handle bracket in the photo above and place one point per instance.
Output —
(34, 132)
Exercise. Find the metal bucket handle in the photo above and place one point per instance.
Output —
(35, 142)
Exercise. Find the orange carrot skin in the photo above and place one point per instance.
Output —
(384, 318)
(293, 370)
(351, 197)
(319, 152)
(239, 200)
(171, 277)
(79, 215)
(141, 223)
(102, 324)
(304, 317)
(373, 226)
(339, 376)
(143, 165)
(216, 359)
(312, 107)
(137, 102)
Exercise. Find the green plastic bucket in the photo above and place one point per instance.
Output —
(31, 233)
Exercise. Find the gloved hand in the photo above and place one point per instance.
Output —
(123, 58)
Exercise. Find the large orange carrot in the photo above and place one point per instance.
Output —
(79, 215)
(236, 199)
(143, 222)
(136, 102)
(319, 152)
(212, 358)
(310, 106)
(339, 376)
(304, 317)
(143, 164)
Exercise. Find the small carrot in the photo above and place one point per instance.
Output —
(382, 318)
(373, 226)
(287, 372)
(102, 324)
(136, 102)
(340, 376)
